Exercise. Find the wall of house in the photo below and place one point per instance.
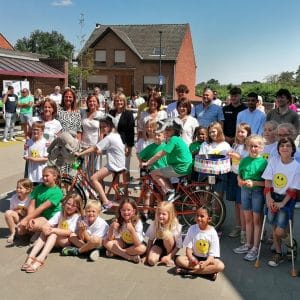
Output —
(185, 68)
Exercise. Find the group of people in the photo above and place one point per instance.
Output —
(260, 150)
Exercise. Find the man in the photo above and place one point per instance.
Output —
(182, 91)
(206, 112)
(230, 112)
(216, 100)
(282, 114)
(56, 96)
(98, 94)
(10, 100)
(252, 116)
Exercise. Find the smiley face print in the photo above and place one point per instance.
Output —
(127, 237)
(202, 246)
(63, 225)
(265, 156)
(35, 153)
(280, 180)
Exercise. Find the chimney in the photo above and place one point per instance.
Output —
(98, 25)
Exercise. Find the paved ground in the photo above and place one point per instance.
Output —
(75, 278)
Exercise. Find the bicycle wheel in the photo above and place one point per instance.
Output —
(67, 188)
(186, 209)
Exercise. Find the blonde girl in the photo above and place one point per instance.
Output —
(18, 207)
(270, 137)
(164, 236)
(233, 191)
(125, 235)
(55, 232)
(148, 136)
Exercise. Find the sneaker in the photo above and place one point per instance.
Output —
(70, 251)
(94, 255)
(170, 196)
(241, 249)
(107, 206)
(276, 260)
(243, 239)
(5, 141)
(235, 232)
(251, 255)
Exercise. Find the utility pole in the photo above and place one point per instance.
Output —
(160, 75)
(81, 43)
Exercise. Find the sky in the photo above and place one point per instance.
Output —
(234, 40)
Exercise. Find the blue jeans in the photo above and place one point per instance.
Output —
(253, 199)
(10, 120)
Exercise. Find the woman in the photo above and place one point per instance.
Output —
(38, 101)
(189, 123)
(68, 115)
(91, 132)
(125, 125)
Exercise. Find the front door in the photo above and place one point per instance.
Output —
(126, 82)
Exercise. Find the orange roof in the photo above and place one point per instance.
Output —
(4, 43)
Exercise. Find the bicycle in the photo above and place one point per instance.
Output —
(189, 197)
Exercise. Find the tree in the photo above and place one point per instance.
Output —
(213, 82)
(52, 44)
(297, 76)
(286, 77)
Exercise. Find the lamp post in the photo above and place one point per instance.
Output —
(160, 75)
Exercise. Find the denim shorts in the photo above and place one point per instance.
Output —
(233, 190)
(280, 218)
(253, 199)
(25, 118)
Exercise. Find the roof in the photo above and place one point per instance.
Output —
(25, 64)
(4, 43)
(142, 39)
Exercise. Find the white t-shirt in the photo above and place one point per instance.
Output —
(240, 149)
(269, 150)
(215, 148)
(189, 127)
(145, 116)
(283, 176)
(90, 129)
(56, 98)
(36, 149)
(176, 233)
(16, 203)
(52, 128)
(126, 236)
(59, 221)
(99, 228)
(115, 151)
(275, 153)
(204, 243)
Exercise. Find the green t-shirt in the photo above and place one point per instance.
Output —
(42, 193)
(26, 100)
(178, 155)
(252, 168)
(150, 151)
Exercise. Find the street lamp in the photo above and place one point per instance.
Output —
(160, 78)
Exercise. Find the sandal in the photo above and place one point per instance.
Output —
(135, 259)
(35, 266)
(27, 263)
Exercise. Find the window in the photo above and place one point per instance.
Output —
(156, 51)
(100, 55)
(119, 56)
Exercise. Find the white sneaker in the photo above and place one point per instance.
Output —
(94, 255)
(5, 141)
(251, 255)
(241, 249)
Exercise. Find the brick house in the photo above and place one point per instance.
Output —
(128, 56)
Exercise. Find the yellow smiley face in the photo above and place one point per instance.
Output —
(127, 237)
(280, 180)
(265, 156)
(64, 225)
(202, 246)
(34, 153)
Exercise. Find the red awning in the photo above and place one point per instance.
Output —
(27, 68)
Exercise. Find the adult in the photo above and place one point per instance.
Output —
(56, 96)
(25, 104)
(230, 112)
(282, 113)
(252, 116)
(260, 104)
(206, 112)
(101, 98)
(293, 105)
(216, 100)
(125, 125)
(38, 100)
(10, 101)
(182, 91)
(68, 114)
(137, 100)
(189, 123)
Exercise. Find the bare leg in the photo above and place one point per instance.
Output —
(11, 218)
(97, 179)
(257, 222)
(154, 255)
(164, 183)
(278, 234)
(76, 241)
(93, 243)
(48, 246)
(249, 226)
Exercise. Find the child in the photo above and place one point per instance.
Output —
(35, 153)
(216, 145)
(90, 233)
(202, 248)
(147, 137)
(282, 181)
(55, 232)
(270, 135)
(125, 234)
(45, 201)
(233, 191)
(200, 136)
(115, 151)
(178, 156)
(19, 203)
(164, 236)
(251, 169)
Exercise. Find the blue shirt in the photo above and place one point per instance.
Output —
(256, 119)
(207, 115)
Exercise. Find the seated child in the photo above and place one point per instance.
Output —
(202, 249)
(55, 232)
(125, 235)
(18, 206)
(90, 233)
(164, 236)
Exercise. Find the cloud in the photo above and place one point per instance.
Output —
(62, 3)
